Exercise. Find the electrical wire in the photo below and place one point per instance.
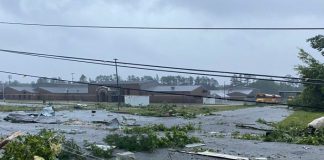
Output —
(159, 28)
(103, 62)
(156, 66)
(149, 91)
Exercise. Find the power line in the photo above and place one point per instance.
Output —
(148, 91)
(158, 66)
(104, 62)
(159, 28)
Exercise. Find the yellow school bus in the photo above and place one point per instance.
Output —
(267, 98)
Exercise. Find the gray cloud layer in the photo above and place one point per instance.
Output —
(267, 52)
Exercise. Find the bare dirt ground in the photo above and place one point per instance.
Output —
(221, 123)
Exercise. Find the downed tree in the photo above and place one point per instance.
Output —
(8, 139)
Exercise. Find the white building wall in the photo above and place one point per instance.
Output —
(137, 100)
(209, 101)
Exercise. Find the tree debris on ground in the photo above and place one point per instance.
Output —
(8, 139)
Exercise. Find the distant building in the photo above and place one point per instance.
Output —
(107, 92)
(285, 95)
(242, 93)
(182, 91)
(224, 96)
(20, 93)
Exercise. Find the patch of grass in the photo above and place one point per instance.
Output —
(18, 108)
(159, 128)
(167, 110)
(293, 129)
(300, 118)
(261, 121)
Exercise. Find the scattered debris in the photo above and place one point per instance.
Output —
(71, 131)
(30, 118)
(249, 126)
(74, 122)
(80, 106)
(216, 155)
(114, 124)
(316, 124)
(129, 121)
(20, 118)
(38, 158)
(194, 145)
(306, 148)
(93, 112)
(47, 111)
(219, 155)
(260, 158)
(125, 156)
(103, 147)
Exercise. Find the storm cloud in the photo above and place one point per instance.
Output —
(265, 52)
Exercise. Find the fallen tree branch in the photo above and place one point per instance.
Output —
(10, 138)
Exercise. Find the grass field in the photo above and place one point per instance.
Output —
(156, 110)
(294, 129)
(166, 110)
(300, 118)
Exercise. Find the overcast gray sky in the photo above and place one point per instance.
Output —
(264, 52)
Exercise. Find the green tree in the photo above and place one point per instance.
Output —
(317, 43)
(313, 94)
(83, 78)
(42, 81)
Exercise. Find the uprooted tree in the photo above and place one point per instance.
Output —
(313, 71)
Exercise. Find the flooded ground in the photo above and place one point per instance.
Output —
(220, 123)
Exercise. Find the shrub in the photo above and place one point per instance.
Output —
(139, 142)
(71, 151)
(148, 140)
(45, 144)
(98, 152)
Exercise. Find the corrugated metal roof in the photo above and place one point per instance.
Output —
(74, 89)
(173, 88)
(243, 91)
(128, 82)
(24, 88)
(219, 93)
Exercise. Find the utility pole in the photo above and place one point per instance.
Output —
(224, 93)
(9, 77)
(3, 95)
(117, 80)
(72, 77)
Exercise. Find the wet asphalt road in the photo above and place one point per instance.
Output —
(221, 122)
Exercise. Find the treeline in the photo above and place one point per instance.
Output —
(209, 83)
(265, 86)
